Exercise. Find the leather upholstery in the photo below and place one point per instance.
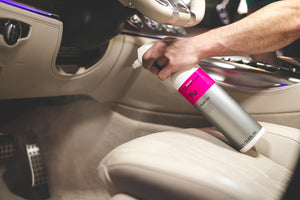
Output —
(199, 164)
(122, 197)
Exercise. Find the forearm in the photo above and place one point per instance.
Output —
(268, 29)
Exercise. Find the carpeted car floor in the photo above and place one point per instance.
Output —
(73, 138)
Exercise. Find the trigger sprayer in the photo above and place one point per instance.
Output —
(214, 104)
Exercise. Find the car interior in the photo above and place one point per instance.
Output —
(78, 121)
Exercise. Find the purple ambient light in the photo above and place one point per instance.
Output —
(26, 7)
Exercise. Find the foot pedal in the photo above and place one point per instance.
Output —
(25, 173)
(7, 147)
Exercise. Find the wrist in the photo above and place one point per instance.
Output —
(210, 44)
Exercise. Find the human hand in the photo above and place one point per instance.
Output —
(171, 55)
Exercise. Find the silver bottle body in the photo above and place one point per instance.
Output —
(228, 117)
(216, 105)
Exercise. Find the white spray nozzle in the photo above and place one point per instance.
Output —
(136, 64)
(140, 52)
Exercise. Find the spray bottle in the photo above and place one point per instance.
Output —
(214, 104)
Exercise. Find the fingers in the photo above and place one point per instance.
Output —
(165, 73)
(155, 60)
(170, 55)
(149, 58)
(160, 63)
(153, 54)
(157, 66)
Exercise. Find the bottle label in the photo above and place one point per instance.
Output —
(196, 85)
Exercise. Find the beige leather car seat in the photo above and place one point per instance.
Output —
(190, 164)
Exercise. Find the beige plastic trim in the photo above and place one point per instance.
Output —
(28, 69)
(146, 91)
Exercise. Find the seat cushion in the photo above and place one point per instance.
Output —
(200, 164)
(122, 197)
